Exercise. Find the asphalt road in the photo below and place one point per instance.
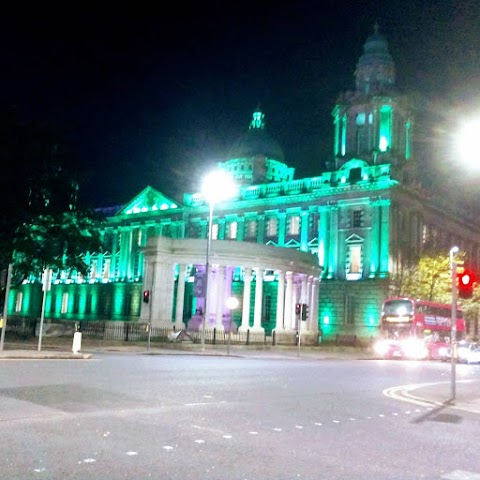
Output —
(189, 417)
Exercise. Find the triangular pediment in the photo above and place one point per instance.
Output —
(292, 243)
(148, 200)
(354, 239)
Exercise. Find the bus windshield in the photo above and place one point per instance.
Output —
(398, 307)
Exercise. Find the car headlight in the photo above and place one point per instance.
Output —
(414, 349)
(381, 347)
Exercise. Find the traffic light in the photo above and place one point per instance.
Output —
(466, 281)
(298, 308)
(305, 312)
(146, 296)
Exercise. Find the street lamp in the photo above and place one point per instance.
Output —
(468, 141)
(453, 327)
(217, 187)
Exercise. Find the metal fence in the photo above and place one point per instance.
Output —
(129, 332)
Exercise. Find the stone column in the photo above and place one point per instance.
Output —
(180, 297)
(288, 301)
(114, 261)
(314, 306)
(281, 228)
(257, 315)
(247, 288)
(308, 323)
(279, 325)
(211, 300)
(295, 299)
(333, 242)
(220, 298)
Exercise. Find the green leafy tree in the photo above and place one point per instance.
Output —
(58, 241)
(428, 278)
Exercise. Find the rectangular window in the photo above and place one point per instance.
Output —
(267, 308)
(355, 259)
(93, 270)
(18, 302)
(350, 307)
(294, 225)
(357, 218)
(272, 227)
(250, 229)
(76, 303)
(360, 119)
(64, 303)
(232, 228)
(215, 231)
(106, 268)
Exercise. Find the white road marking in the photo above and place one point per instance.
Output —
(461, 475)
(131, 453)
(167, 447)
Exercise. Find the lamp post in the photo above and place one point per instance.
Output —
(217, 187)
(453, 327)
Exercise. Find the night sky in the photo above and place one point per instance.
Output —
(157, 96)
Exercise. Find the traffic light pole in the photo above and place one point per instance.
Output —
(453, 332)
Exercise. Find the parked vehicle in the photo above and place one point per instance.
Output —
(467, 352)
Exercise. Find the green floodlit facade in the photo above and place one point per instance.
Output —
(361, 219)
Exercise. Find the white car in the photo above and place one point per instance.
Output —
(466, 353)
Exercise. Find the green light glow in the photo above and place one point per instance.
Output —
(257, 120)
(336, 140)
(344, 134)
(385, 134)
(408, 146)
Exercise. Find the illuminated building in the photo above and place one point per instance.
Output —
(344, 231)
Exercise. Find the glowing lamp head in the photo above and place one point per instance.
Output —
(218, 186)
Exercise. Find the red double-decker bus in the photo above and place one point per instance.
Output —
(416, 329)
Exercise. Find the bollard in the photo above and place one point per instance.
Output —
(77, 342)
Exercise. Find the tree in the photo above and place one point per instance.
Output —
(429, 278)
(58, 241)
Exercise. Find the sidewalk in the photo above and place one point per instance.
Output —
(61, 347)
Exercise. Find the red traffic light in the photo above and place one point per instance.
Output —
(146, 296)
(466, 282)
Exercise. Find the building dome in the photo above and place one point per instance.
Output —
(256, 142)
(256, 157)
(375, 69)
